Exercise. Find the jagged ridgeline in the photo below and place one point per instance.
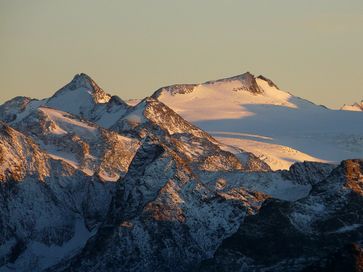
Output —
(89, 182)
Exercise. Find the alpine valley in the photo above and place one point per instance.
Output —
(228, 175)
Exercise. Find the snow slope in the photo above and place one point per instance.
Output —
(252, 113)
(64, 123)
(275, 155)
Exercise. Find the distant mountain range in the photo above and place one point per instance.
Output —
(254, 114)
(354, 107)
(229, 175)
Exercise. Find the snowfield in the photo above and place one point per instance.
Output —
(275, 155)
(273, 124)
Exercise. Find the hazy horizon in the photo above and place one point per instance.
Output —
(131, 48)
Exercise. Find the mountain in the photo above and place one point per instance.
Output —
(96, 106)
(160, 210)
(81, 97)
(252, 113)
(354, 107)
(89, 182)
(74, 126)
(61, 165)
(164, 217)
(150, 117)
(48, 208)
(83, 144)
(304, 235)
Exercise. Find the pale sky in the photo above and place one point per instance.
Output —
(312, 48)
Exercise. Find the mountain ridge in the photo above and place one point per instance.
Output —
(274, 124)
(358, 106)
(88, 182)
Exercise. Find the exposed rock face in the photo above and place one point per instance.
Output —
(248, 83)
(298, 234)
(20, 156)
(269, 81)
(308, 172)
(175, 89)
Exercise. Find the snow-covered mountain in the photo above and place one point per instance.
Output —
(62, 153)
(81, 97)
(91, 183)
(48, 208)
(353, 107)
(83, 144)
(151, 118)
(254, 114)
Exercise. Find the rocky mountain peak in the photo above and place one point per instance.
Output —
(84, 83)
(175, 89)
(354, 107)
(242, 82)
(247, 83)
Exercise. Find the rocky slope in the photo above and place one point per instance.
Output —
(305, 234)
(46, 205)
(83, 144)
(157, 221)
(160, 210)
